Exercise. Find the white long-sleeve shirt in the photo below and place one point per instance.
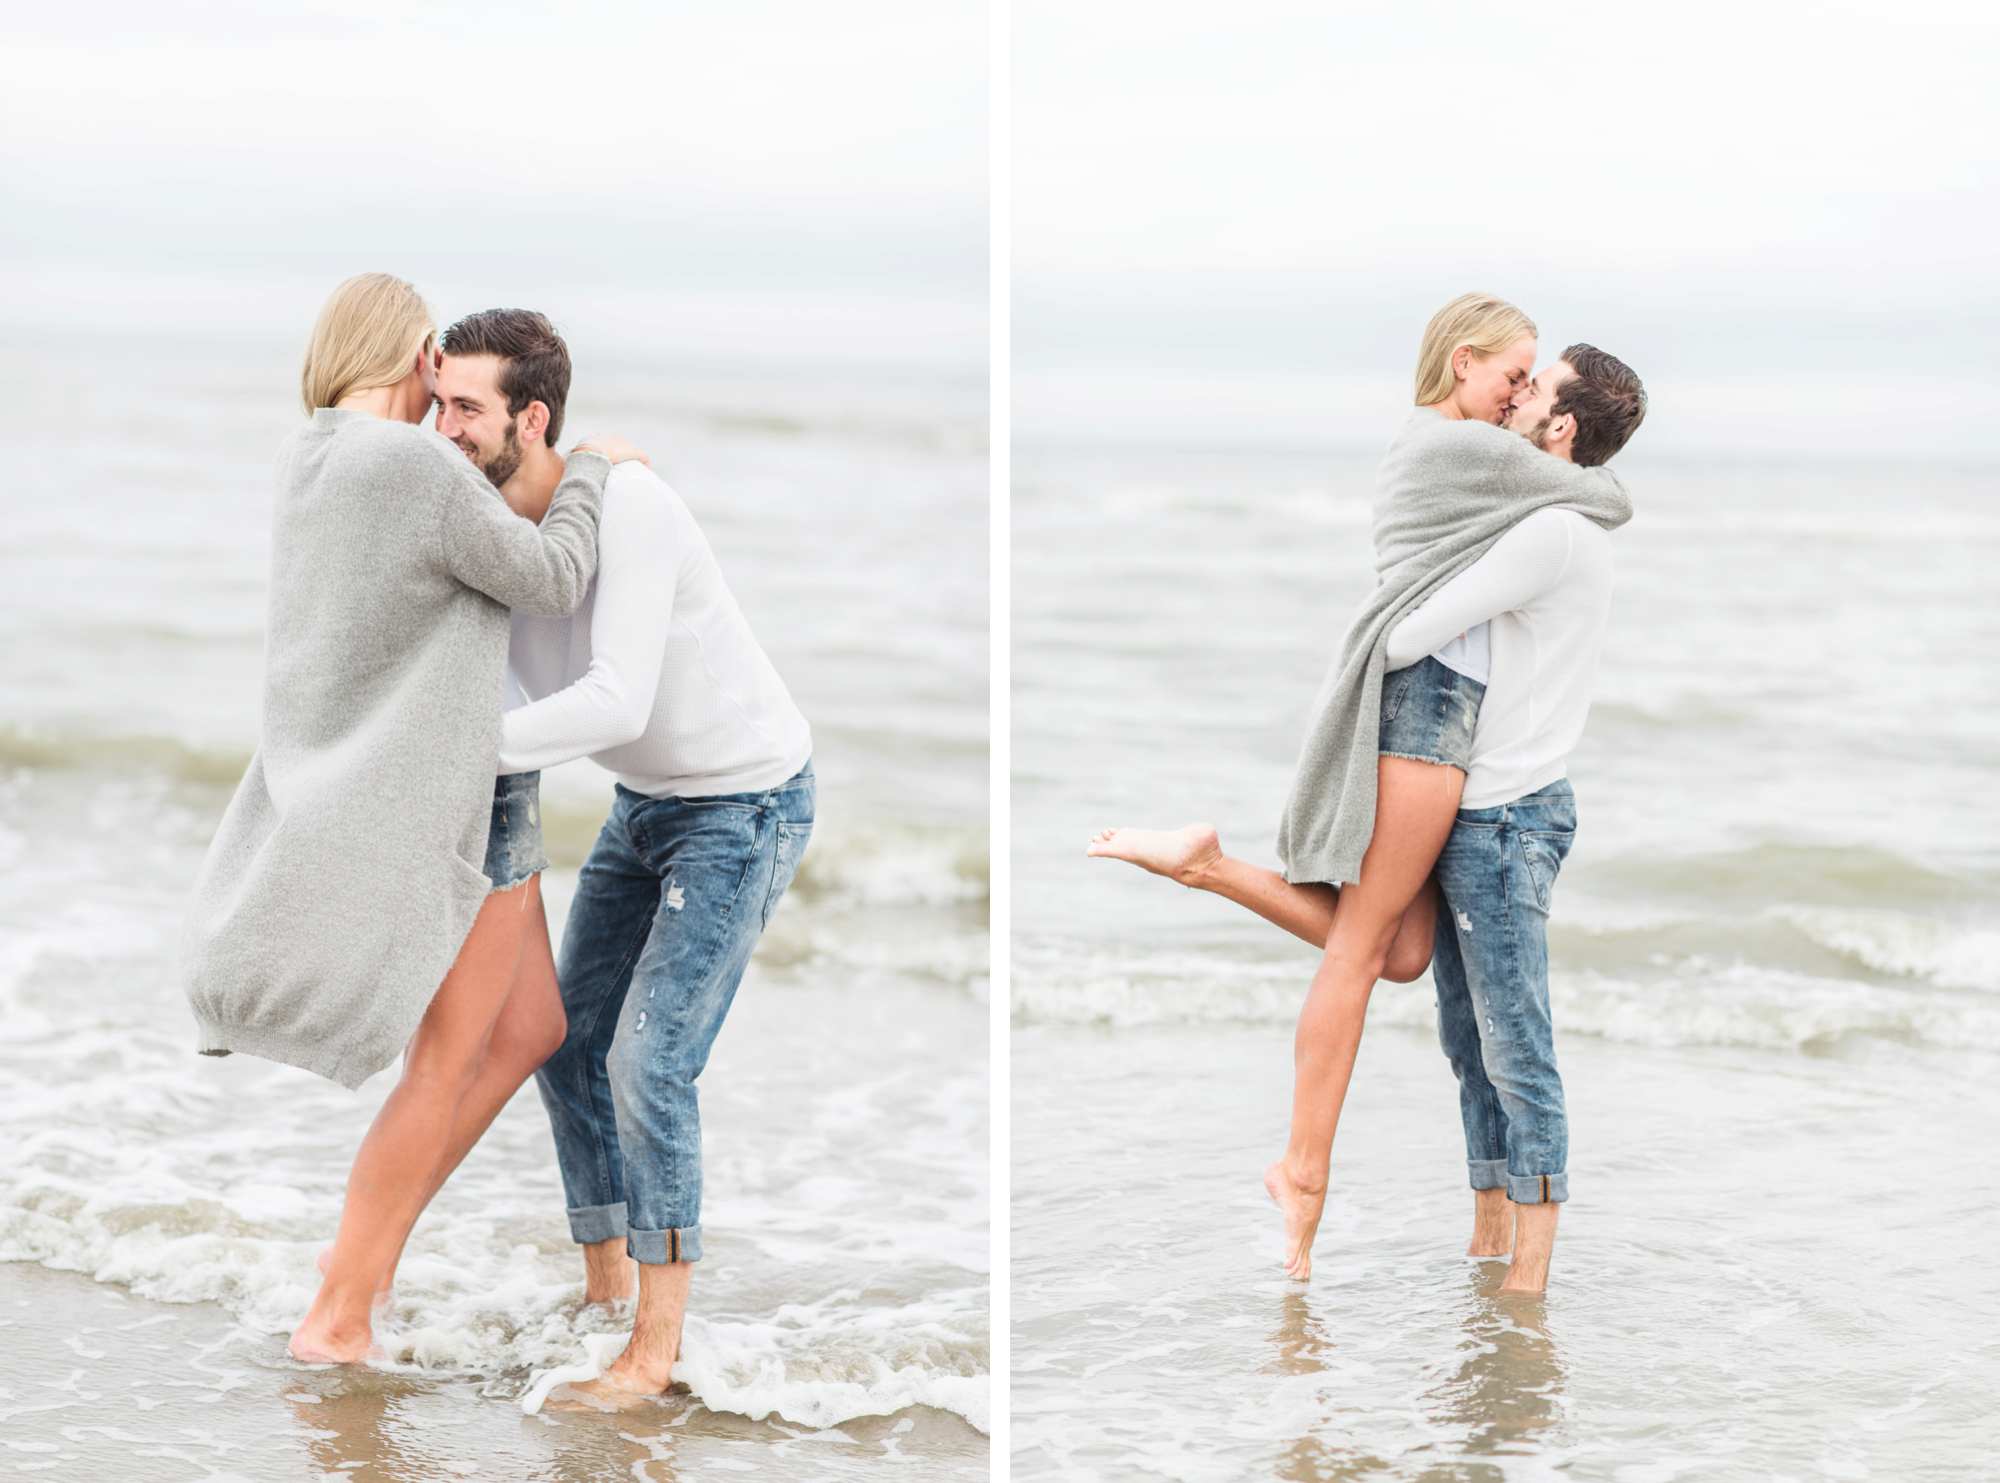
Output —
(1545, 590)
(656, 677)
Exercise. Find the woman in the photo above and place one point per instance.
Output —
(349, 908)
(1384, 765)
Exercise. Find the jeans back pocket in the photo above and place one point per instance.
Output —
(1543, 851)
(791, 848)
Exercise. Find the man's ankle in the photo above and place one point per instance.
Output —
(608, 1270)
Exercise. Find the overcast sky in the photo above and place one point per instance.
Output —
(798, 167)
(1795, 203)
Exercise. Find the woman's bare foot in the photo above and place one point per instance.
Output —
(1182, 854)
(384, 1296)
(318, 1341)
(1300, 1206)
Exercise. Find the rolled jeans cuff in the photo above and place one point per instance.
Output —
(595, 1223)
(1538, 1189)
(1487, 1173)
(657, 1248)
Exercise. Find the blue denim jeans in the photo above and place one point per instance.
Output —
(514, 839)
(671, 900)
(1429, 711)
(1491, 967)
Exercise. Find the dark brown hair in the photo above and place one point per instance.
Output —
(1606, 399)
(534, 361)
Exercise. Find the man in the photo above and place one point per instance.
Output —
(658, 678)
(1545, 590)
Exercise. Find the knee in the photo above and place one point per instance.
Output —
(1405, 963)
(548, 1037)
(529, 1043)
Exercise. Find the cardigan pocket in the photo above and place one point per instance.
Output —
(468, 880)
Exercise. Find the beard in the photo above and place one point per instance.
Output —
(1538, 435)
(502, 465)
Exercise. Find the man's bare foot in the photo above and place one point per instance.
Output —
(1300, 1206)
(1492, 1224)
(1178, 854)
(1527, 1281)
(1534, 1245)
(317, 1342)
(628, 1381)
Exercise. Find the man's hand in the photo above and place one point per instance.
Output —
(615, 449)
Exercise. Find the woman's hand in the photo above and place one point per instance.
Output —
(615, 449)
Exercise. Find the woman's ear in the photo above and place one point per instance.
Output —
(1461, 362)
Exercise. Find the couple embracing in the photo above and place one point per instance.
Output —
(1431, 809)
(452, 610)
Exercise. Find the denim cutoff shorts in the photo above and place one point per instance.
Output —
(1428, 714)
(514, 843)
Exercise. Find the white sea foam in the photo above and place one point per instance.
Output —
(1949, 954)
(811, 1367)
(849, 1204)
(1689, 1000)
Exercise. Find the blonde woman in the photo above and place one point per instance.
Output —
(1386, 756)
(347, 909)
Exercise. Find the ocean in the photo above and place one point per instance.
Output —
(160, 1212)
(1775, 974)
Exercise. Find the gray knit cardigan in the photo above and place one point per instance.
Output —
(1446, 492)
(347, 869)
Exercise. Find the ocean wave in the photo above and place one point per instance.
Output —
(1687, 1001)
(1949, 955)
(1844, 875)
(849, 862)
(1931, 527)
(520, 1312)
(810, 1368)
(161, 756)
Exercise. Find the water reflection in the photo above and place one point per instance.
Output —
(377, 1428)
(1508, 1388)
(1499, 1392)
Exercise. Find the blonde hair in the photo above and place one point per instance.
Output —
(367, 336)
(1486, 324)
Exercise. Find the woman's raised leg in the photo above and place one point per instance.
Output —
(396, 1168)
(1193, 856)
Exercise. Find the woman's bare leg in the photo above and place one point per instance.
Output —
(1415, 806)
(528, 1030)
(397, 1165)
(1193, 856)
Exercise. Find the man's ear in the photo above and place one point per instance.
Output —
(535, 422)
(1560, 428)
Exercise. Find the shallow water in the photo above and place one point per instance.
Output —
(1773, 949)
(1763, 1271)
(841, 1320)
